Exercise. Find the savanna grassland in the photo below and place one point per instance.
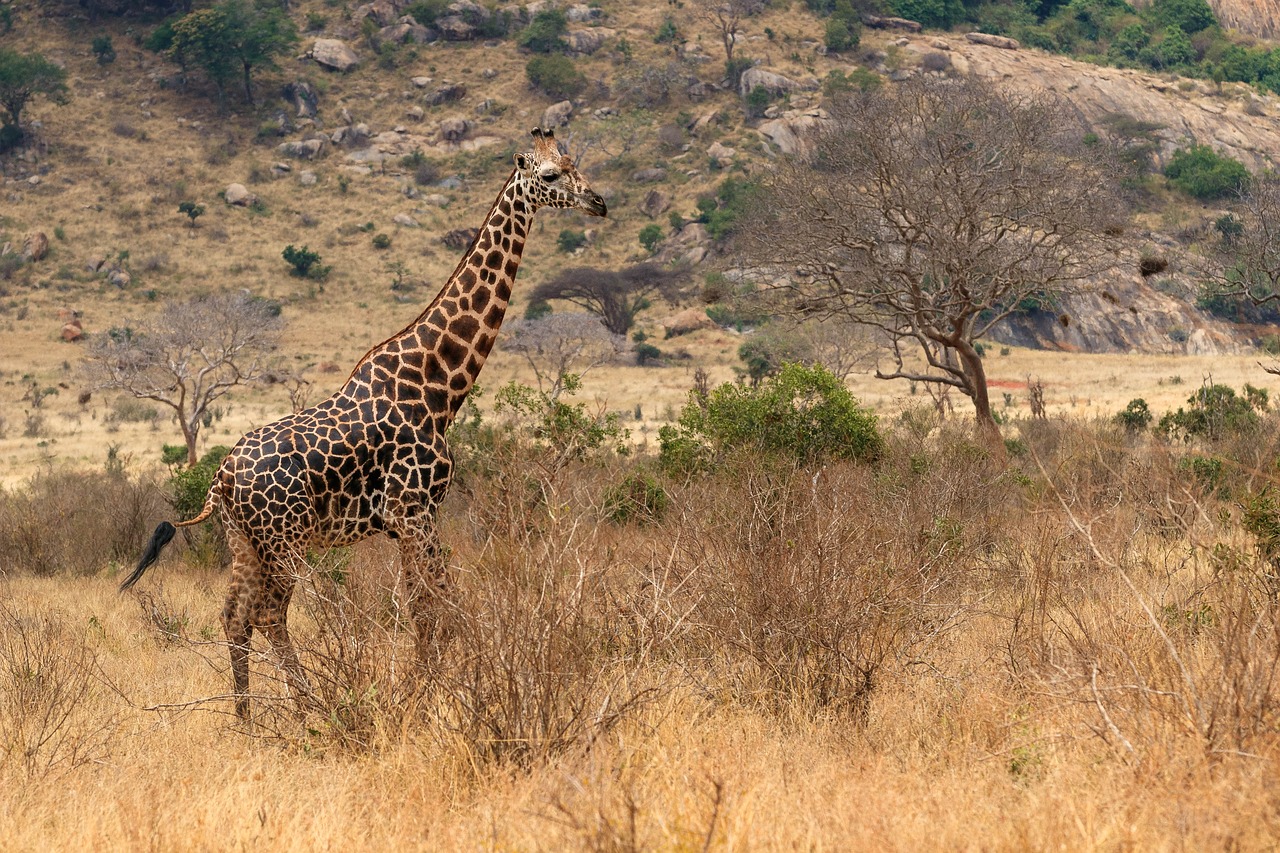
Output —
(1071, 642)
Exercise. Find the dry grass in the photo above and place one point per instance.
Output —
(1078, 650)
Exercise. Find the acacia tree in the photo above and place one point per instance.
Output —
(232, 39)
(615, 296)
(22, 77)
(189, 356)
(558, 346)
(928, 211)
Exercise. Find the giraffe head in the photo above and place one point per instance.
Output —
(551, 180)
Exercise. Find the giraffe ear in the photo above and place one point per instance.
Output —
(522, 162)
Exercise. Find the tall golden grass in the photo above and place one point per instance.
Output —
(1076, 649)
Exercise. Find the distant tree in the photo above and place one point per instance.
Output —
(726, 16)
(189, 356)
(1190, 16)
(192, 210)
(22, 77)
(615, 296)
(545, 33)
(929, 212)
(230, 40)
(1205, 174)
(559, 345)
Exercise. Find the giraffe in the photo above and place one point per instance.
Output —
(372, 458)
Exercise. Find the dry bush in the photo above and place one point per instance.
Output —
(76, 522)
(52, 718)
(540, 664)
(798, 601)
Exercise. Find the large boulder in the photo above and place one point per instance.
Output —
(459, 238)
(383, 12)
(35, 246)
(587, 41)
(1003, 42)
(771, 82)
(790, 132)
(446, 93)
(239, 195)
(454, 28)
(687, 321)
(454, 129)
(333, 53)
(557, 115)
(655, 203)
(651, 175)
(306, 149)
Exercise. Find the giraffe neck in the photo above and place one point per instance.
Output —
(436, 359)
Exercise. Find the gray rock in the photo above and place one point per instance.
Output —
(35, 246)
(650, 175)
(119, 278)
(420, 82)
(655, 203)
(238, 195)
(383, 12)
(453, 182)
(446, 93)
(557, 115)
(719, 151)
(436, 200)
(367, 155)
(303, 97)
(453, 28)
(454, 129)
(332, 53)
(459, 238)
(415, 112)
(587, 41)
(307, 178)
(344, 116)
(773, 83)
(405, 220)
(581, 13)
(1003, 42)
(307, 149)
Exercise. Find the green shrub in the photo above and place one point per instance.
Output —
(104, 50)
(651, 236)
(381, 241)
(721, 212)
(190, 486)
(802, 412)
(305, 262)
(1136, 416)
(545, 33)
(1208, 471)
(638, 498)
(1189, 16)
(932, 13)
(426, 12)
(667, 32)
(1204, 174)
(570, 241)
(556, 75)
(757, 101)
(1214, 412)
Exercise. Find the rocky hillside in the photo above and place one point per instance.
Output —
(379, 126)
(1256, 17)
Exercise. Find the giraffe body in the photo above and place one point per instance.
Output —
(372, 458)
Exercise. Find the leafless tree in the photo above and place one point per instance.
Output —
(615, 296)
(726, 16)
(189, 355)
(558, 345)
(1243, 257)
(928, 211)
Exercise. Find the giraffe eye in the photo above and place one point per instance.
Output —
(550, 175)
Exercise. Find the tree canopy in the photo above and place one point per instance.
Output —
(25, 75)
(615, 296)
(929, 212)
(231, 39)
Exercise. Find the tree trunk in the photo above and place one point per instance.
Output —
(248, 85)
(189, 435)
(981, 395)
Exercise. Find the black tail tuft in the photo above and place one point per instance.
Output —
(164, 532)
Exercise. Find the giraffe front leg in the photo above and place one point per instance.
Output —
(427, 578)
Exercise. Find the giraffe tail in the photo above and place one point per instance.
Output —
(163, 534)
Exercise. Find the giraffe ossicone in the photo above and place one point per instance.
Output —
(372, 457)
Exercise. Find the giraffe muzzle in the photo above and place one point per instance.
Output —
(593, 204)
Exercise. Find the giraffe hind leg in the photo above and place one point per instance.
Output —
(428, 581)
(272, 618)
(237, 614)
